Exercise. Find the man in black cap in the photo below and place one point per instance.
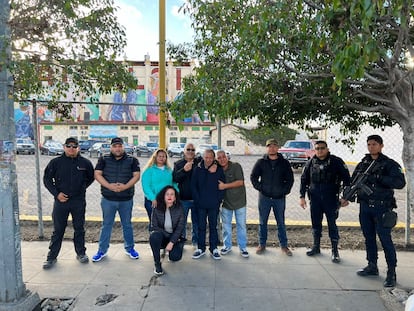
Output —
(67, 177)
(272, 176)
(117, 173)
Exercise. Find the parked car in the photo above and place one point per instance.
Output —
(141, 151)
(151, 146)
(129, 149)
(176, 149)
(51, 147)
(203, 147)
(99, 149)
(86, 144)
(298, 152)
(25, 145)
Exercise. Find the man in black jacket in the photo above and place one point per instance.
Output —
(183, 170)
(67, 177)
(322, 179)
(272, 176)
(384, 176)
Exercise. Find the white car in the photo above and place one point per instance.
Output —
(176, 149)
(203, 147)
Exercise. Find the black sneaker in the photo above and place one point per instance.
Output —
(82, 258)
(158, 269)
(198, 253)
(49, 263)
(371, 269)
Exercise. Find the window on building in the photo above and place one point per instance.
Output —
(230, 143)
(124, 127)
(183, 140)
(136, 128)
(84, 127)
(73, 127)
(173, 139)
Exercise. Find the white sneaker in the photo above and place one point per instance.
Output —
(244, 253)
(216, 254)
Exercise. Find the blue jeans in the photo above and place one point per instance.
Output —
(371, 224)
(109, 209)
(187, 206)
(278, 206)
(226, 217)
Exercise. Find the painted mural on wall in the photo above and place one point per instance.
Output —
(23, 121)
(140, 104)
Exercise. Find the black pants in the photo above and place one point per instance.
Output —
(328, 205)
(159, 240)
(60, 216)
(370, 218)
(210, 215)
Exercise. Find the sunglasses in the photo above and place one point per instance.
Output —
(320, 148)
(189, 149)
(71, 146)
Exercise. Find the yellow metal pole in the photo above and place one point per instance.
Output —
(162, 92)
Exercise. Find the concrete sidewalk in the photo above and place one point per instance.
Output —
(271, 281)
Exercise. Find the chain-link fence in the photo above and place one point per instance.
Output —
(33, 196)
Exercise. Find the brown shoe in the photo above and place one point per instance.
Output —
(260, 249)
(287, 251)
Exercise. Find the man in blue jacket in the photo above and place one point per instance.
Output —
(67, 177)
(272, 176)
(207, 200)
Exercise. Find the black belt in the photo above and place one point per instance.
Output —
(373, 203)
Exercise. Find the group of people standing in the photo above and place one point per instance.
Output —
(213, 186)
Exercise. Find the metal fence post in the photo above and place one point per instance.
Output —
(407, 218)
(37, 163)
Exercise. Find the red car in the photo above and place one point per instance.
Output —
(298, 152)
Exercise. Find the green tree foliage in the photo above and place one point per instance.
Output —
(294, 61)
(346, 62)
(259, 135)
(62, 44)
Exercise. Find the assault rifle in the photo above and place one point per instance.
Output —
(359, 184)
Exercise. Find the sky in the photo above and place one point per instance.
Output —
(141, 20)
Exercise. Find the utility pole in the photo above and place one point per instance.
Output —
(162, 92)
(13, 293)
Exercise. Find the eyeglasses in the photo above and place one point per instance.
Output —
(320, 148)
(71, 146)
(189, 149)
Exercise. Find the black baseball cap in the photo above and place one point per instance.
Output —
(72, 140)
(116, 141)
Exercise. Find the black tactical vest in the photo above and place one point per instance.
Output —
(321, 171)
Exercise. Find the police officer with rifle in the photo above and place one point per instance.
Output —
(322, 178)
(373, 183)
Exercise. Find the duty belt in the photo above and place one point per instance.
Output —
(373, 203)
